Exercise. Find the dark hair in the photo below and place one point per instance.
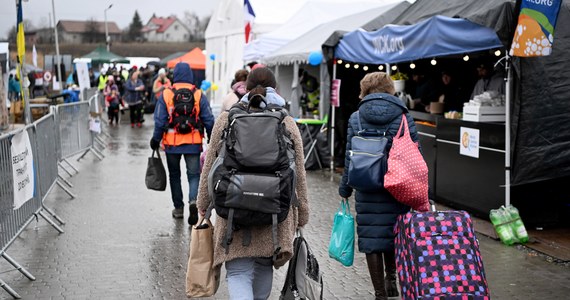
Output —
(257, 81)
(241, 75)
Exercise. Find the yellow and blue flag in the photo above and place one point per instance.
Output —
(534, 34)
(20, 40)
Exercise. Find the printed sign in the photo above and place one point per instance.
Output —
(534, 34)
(83, 75)
(22, 169)
(95, 125)
(335, 93)
(469, 142)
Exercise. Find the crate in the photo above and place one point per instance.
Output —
(484, 114)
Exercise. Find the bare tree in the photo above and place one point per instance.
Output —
(28, 25)
(196, 25)
(92, 32)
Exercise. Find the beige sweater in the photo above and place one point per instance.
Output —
(261, 242)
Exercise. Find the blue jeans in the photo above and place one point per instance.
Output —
(174, 174)
(249, 278)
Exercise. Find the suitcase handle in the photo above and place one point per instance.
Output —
(432, 205)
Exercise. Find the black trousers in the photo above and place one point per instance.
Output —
(136, 114)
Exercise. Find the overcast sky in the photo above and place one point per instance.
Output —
(122, 11)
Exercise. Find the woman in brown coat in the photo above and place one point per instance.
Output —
(250, 268)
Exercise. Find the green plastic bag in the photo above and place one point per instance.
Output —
(341, 246)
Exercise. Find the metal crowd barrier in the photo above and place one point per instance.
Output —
(56, 137)
(14, 221)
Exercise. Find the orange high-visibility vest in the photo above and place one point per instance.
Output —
(166, 85)
(171, 137)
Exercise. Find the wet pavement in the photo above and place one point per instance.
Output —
(120, 241)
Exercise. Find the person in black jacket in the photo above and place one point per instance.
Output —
(376, 212)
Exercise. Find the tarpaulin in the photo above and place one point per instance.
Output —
(436, 36)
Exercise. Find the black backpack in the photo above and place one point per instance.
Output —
(185, 118)
(252, 181)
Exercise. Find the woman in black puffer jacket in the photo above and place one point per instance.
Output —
(376, 212)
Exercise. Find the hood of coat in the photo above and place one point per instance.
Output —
(381, 108)
(183, 73)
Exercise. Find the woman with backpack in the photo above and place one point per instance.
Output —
(249, 255)
(376, 212)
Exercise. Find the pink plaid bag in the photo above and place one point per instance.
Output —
(407, 175)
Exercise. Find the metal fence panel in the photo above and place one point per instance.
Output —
(88, 93)
(73, 126)
(47, 145)
(13, 221)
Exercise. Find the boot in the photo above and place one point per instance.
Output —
(390, 279)
(376, 269)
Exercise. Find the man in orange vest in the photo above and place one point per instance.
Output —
(182, 134)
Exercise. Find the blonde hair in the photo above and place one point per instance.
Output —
(376, 82)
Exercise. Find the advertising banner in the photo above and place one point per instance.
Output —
(22, 169)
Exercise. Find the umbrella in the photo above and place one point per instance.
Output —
(100, 56)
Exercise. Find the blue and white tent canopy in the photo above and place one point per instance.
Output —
(436, 36)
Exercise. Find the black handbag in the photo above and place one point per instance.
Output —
(155, 173)
(304, 278)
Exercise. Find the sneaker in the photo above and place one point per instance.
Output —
(132, 125)
(178, 213)
(193, 218)
(139, 125)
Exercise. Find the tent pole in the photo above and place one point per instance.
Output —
(508, 98)
(333, 120)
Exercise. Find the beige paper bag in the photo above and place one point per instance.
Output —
(202, 280)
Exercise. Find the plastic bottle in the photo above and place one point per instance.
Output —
(499, 218)
(517, 223)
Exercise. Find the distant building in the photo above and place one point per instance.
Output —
(169, 29)
(86, 31)
(39, 36)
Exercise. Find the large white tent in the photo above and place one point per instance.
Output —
(225, 35)
(312, 14)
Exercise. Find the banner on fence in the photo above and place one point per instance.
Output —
(22, 169)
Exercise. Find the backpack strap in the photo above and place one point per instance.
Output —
(276, 247)
(229, 231)
(358, 121)
(246, 238)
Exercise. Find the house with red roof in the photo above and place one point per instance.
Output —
(170, 29)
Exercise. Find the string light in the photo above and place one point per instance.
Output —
(347, 65)
(466, 58)
(394, 68)
(412, 66)
(381, 67)
(365, 68)
(339, 61)
(433, 62)
(498, 53)
(356, 66)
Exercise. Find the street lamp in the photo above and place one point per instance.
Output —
(107, 39)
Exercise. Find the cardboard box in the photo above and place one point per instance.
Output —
(484, 114)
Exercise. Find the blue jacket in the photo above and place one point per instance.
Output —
(376, 212)
(132, 96)
(182, 74)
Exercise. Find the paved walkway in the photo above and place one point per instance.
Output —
(121, 242)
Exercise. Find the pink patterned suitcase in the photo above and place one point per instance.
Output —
(437, 257)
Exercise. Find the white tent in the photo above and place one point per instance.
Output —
(289, 58)
(225, 35)
(312, 14)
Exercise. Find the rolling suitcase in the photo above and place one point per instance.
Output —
(437, 257)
